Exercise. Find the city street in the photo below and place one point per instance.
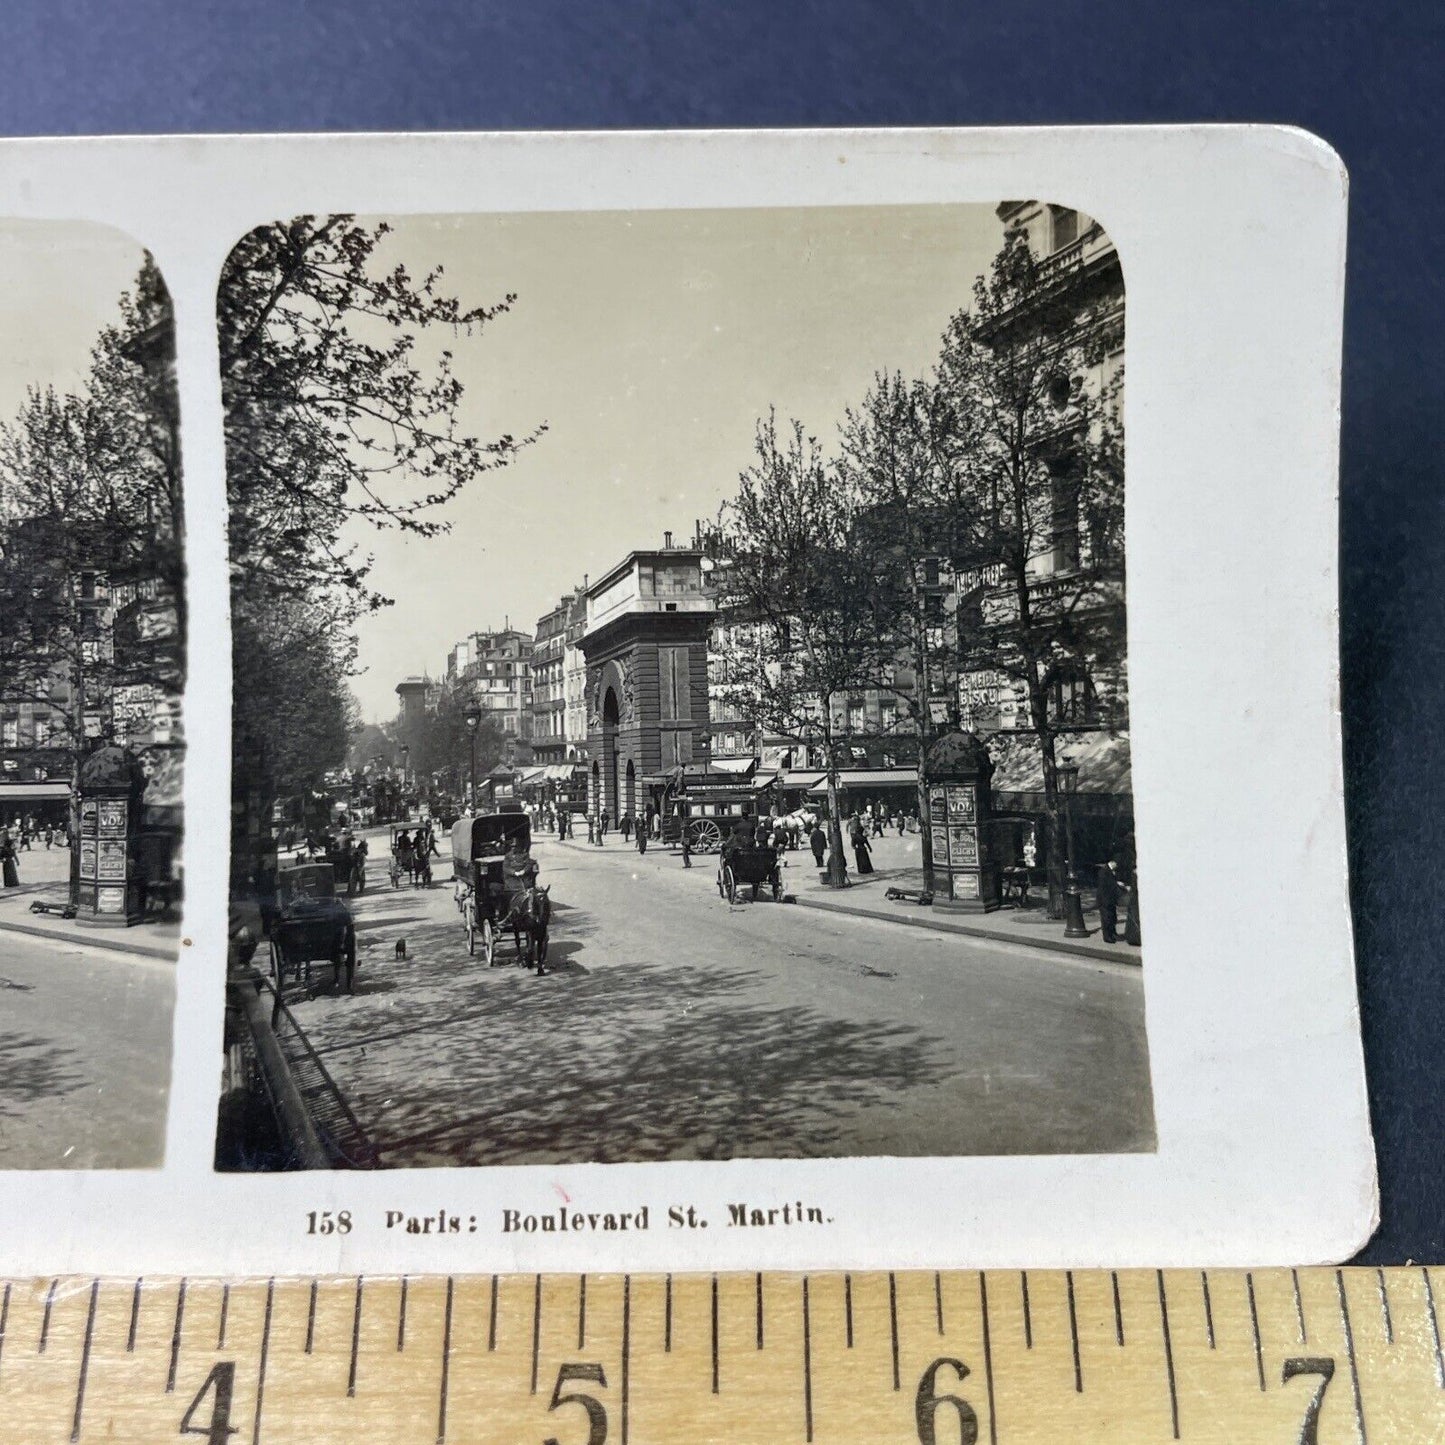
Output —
(677, 1027)
(85, 1054)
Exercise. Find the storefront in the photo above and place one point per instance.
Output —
(1100, 811)
(47, 804)
(894, 790)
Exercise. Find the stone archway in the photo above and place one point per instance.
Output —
(611, 793)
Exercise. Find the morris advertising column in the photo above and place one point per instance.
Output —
(959, 804)
(110, 892)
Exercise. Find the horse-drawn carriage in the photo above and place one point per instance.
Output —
(347, 855)
(744, 863)
(311, 925)
(495, 881)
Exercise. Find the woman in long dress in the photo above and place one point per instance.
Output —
(7, 860)
(861, 848)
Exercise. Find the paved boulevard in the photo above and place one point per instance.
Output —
(85, 1052)
(677, 1027)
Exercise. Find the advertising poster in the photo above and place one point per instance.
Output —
(962, 803)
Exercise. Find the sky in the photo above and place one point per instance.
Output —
(649, 344)
(60, 284)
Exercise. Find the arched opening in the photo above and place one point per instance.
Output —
(610, 793)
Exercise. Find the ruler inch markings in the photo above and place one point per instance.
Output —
(1254, 1328)
(446, 1367)
(807, 1366)
(988, 1355)
(1434, 1329)
(261, 1364)
(1168, 1353)
(84, 1362)
(355, 1339)
(1350, 1355)
(93, 1326)
(176, 1337)
(1074, 1334)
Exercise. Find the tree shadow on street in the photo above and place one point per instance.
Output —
(33, 1069)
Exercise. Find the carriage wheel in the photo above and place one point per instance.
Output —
(489, 941)
(276, 963)
(731, 882)
(706, 836)
(348, 954)
(722, 887)
(471, 931)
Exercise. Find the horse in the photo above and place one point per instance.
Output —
(530, 914)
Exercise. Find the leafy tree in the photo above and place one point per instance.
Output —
(333, 424)
(91, 484)
(1044, 466)
(900, 456)
(797, 589)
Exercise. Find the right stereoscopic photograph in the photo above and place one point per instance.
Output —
(680, 698)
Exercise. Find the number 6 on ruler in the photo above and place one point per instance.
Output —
(926, 1403)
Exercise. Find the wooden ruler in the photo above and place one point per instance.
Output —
(1318, 1356)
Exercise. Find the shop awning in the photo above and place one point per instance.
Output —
(33, 792)
(858, 778)
(740, 766)
(558, 772)
(1101, 758)
(530, 775)
(802, 782)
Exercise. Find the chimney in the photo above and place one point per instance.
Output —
(667, 541)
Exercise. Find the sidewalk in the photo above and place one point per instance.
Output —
(146, 940)
(898, 866)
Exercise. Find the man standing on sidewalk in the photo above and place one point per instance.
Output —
(641, 836)
(1109, 901)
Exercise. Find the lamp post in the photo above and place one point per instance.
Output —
(473, 716)
(1068, 776)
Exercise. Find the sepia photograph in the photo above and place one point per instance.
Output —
(92, 672)
(680, 689)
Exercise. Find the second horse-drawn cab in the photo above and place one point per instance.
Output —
(495, 882)
(311, 925)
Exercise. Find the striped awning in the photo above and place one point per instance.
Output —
(33, 792)
(855, 778)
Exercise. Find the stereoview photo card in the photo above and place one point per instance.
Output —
(736, 697)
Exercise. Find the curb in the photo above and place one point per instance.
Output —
(993, 935)
(98, 940)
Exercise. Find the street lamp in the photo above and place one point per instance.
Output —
(1068, 776)
(473, 716)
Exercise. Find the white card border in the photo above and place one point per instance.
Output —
(1232, 241)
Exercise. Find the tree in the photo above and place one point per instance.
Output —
(900, 458)
(1043, 462)
(334, 425)
(796, 590)
(93, 512)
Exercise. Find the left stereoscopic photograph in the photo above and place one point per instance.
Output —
(92, 672)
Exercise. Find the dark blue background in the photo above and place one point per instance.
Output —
(1366, 77)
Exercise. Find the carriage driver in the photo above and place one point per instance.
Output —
(519, 868)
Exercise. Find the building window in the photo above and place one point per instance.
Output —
(855, 717)
(888, 714)
(42, 732)
(1072, 699)
(10, 732)
(1065, 227)
(1064, 497)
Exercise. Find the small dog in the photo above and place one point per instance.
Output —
(401, 948)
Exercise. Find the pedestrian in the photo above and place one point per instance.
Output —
(1109, 889)
(591, 828)
(878, 823)
(602, 823)
(1131, 920)
(861, 846)
(686, 843)
(561, 825)
(902, 822)
(10, 872)
(625, 823)
(649, 816)
(641, 837)
(818, 842)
